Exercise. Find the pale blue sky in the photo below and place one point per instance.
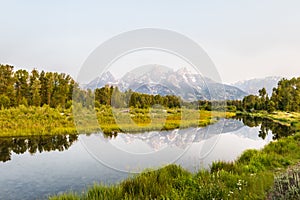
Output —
(245, 39)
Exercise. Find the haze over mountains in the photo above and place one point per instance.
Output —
(253, 85)
(155, 79)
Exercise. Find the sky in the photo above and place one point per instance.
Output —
(244, 39)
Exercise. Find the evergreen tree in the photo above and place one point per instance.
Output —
(7, 83)
(21, 86)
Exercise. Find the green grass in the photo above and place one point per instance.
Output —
(251, 176)
(26, 121)
(142, 120)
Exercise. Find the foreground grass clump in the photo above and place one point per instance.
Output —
(251, 176)
(173, 182)
(287, 184)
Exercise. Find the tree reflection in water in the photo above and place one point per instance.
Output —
(266, 125)
(33, 144)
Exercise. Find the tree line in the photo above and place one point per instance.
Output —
(34, 88)
(33, 144)
(285, 97)
(56, 90)
(110, 95)
(278, 130)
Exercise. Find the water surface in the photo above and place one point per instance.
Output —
(36, 167)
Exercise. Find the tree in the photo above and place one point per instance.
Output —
(4, 101)
(262, 104)
(7, 82)
(117, 98)
(271, 106)
(21, 86)
(287, 94)
(48, 87)
(34, 84)
(285, 97)
(35, 91)
(250, 102)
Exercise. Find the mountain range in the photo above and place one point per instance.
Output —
(157, 79)
(253, 85)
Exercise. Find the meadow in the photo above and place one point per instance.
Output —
(26, 121)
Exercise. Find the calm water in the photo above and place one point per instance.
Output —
(36, 167)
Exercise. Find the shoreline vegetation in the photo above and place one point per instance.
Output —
(27, 121)
(281, 117)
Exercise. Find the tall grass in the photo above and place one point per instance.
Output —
(24, 121)
(287, 185)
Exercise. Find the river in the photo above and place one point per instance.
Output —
(39, 166)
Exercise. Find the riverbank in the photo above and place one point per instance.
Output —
(251, 176)
(27, 121)
(284, 118)
(256, 174)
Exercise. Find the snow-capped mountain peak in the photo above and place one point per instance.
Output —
(156, 79)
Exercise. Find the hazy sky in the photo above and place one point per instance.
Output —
(245, 39)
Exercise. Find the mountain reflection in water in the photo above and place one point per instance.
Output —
(155, 139)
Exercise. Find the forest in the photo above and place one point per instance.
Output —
(112, 96)
(34, 88)
(285, 97)
(56, 89)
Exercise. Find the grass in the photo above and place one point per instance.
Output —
(142, 120)
(251, 176)
(27, 121)
(287, 184)
(284, 118)
(24, 121)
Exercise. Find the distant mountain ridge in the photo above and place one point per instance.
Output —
(252, 86)
(155, 79)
